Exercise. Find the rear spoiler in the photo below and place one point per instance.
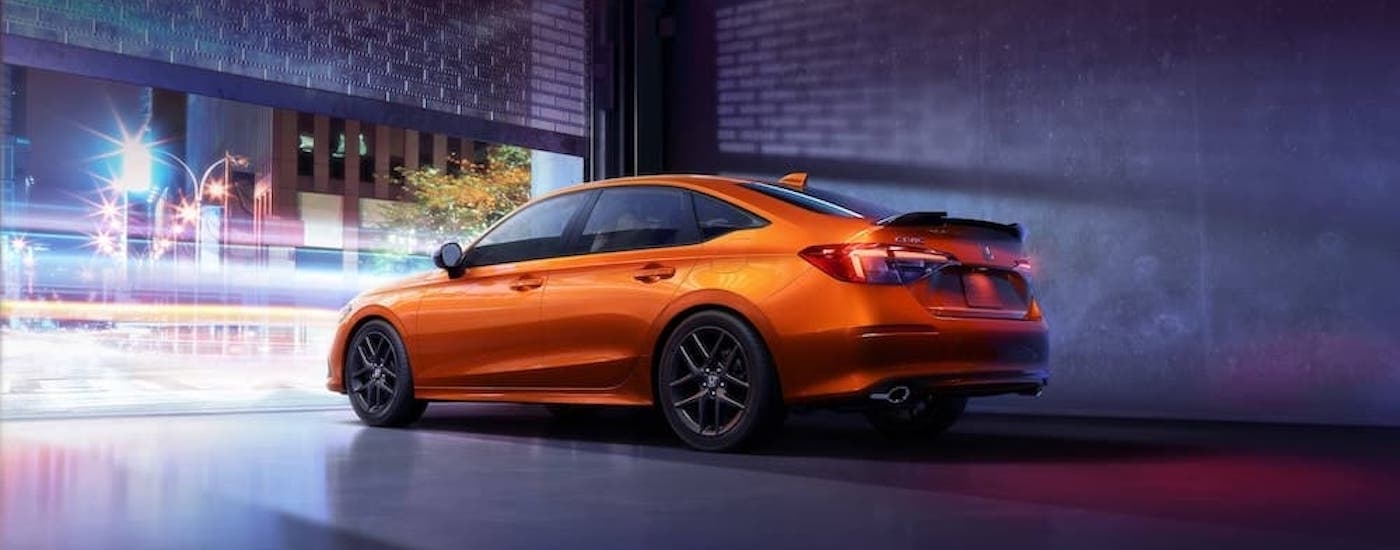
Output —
(936, 219)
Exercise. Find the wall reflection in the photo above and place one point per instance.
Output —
(106, 484)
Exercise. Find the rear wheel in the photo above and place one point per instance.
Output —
(378, 378)
(924, 417)
(716, 385)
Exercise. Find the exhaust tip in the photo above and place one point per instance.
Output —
(894, 396)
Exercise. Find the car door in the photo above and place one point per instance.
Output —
(482, 329)
(634, 249)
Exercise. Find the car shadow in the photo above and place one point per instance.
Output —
(1195, 472)
(976, 439)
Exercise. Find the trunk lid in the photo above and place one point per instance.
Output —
(984, 282)
(972, 242)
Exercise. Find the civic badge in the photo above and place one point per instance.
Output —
(987, 253)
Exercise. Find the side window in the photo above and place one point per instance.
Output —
(717, 217)
(627, 218)
(529, 234)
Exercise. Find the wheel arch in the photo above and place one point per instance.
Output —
(361, 318)
(722, 301)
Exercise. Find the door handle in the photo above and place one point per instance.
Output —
(527, 283)
(653, 272)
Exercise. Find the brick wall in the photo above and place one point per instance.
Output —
(1207, 185)
(520, 62)
(791, 83)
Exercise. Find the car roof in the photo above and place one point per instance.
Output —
(697, 180)
(730, 189)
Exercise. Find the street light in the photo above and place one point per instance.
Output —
(187, 213)
(136, 166)
(104, 243)
(191, 213)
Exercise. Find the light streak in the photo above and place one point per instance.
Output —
(183, 314)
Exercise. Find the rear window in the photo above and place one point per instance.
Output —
(863, 207)
(802, 200)
(824, 202)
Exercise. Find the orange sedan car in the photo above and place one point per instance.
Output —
(721, 302)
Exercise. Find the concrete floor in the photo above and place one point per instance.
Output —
(476, 476)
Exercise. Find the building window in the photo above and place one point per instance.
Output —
(425, 149)
(396, 162)
(454, 156)
(337, 149)
(479, 152)
(306, 144)
(367, 152)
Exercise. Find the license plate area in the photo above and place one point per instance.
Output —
(994, 289)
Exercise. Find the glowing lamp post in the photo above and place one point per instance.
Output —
(135, 177)
(21, 248)
(136, 167)
(189, 213)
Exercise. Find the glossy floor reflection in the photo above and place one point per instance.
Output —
(473, 476)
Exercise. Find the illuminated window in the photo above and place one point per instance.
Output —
(337, 160)
(306, 144)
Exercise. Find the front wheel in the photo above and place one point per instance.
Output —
(925, 417)
(716, 385)
(378, 378)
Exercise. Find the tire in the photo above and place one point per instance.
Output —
(378, 379)
(715, 384)
(926, 417)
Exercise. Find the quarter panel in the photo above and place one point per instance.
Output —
(398, 308)
(731, 278)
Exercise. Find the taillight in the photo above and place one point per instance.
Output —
(874, 263)
(1023, 266)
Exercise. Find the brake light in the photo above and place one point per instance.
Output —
(875, 263)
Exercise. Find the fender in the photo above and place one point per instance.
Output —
(336, 365)
(376, 310)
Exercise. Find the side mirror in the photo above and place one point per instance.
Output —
(449, 257)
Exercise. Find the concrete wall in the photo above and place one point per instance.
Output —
(552, 171)
(216, 126)
(1212, 188)
(521, 62)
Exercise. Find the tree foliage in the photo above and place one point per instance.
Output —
(457, 205)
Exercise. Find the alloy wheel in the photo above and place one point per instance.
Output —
(374, 373)
(709, 384)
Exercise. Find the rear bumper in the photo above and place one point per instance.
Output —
(971, 384)
(953, 356)
(963, 357)
(834, 341)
